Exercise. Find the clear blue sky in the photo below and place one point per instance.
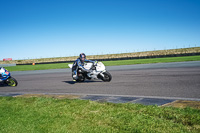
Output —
(58, 28)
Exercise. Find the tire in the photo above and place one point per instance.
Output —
(81, 78)
(11, 81)
(107, 77)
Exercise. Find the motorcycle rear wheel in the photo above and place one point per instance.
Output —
(81, 78)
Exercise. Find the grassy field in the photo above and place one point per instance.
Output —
(41, 115)
(109, 56)
(37, 67)
(152, 60)
(107, 63)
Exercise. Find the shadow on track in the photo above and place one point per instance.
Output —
(73, 82)
(3, 85)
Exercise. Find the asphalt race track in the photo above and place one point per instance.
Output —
(161, 80)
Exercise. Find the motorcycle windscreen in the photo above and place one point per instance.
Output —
(88, 65)
(100, 66)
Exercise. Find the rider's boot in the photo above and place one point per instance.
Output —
(74, 76)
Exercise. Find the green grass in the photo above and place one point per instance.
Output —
(38, 67)
(41, 115)
(107, 63)
(191, 50)
(152, 60)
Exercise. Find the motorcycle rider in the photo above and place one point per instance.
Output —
(2, 70)
(79, 63)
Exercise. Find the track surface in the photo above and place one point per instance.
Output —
(161, 80)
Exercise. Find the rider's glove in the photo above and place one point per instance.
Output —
(95, 63)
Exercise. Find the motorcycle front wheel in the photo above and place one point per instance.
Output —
(107, 77)
(11, 81)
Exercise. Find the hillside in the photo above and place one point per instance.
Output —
(148, 54)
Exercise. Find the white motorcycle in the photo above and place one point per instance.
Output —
(98, 71)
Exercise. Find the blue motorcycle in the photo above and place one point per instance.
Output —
(6, 79)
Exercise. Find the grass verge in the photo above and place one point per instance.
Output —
(167, 53)
(39, 114)
(152, 60)
(107, 63)
(38, 67)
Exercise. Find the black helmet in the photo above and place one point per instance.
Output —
(82, 56)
